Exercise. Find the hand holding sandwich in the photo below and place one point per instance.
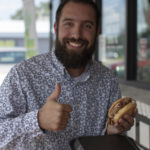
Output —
(121, 116)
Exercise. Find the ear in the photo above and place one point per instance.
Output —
(98, 30)
(55, 27)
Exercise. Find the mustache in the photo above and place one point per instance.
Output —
(75, 40)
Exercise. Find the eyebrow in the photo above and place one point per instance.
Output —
(67, 19)
(89, 21)
(85, 21)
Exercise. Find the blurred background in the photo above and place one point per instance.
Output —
(24, 31)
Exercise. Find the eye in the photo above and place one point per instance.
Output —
(68, 24)
(88, 26)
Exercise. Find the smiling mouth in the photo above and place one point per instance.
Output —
(76, 44)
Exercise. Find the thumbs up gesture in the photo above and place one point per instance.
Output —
(54, 116)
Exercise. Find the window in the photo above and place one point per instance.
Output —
(12, 55)
(143, 43)
(112, 41)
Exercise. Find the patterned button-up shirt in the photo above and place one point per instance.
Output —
(26, 88)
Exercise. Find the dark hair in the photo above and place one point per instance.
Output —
(88, 2)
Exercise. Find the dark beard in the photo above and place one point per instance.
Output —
(71, 59)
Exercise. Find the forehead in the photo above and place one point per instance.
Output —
(78, 11)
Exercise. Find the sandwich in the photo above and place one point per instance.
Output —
(119, 108)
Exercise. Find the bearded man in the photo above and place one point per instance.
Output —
(50, 99)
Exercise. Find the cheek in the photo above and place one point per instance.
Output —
(91, 38)
(63, 33)
(89, 33)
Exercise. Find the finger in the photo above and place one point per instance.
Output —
(129, 119)
(64, 122)
(66, 115)
(63, 126)
(58, 128)
(119, 127)
(67, 108)
(135, 112)
(61, 116)
(61, 123)
(56, 92)
(124, 124)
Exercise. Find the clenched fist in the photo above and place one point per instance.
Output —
(54, 116)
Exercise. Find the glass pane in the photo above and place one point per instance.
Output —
(112, 41)
(143, 44)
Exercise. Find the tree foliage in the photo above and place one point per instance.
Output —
(42, 12)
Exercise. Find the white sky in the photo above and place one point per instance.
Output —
(9, 7)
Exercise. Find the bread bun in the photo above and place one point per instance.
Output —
(121, 107)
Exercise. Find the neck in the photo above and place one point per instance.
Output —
(75, 72)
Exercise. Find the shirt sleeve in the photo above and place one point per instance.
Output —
(17, 125)
(115, 94)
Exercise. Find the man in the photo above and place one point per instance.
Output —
(52, 98)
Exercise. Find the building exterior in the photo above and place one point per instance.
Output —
(12, 34)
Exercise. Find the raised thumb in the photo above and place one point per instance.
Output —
(56, 92)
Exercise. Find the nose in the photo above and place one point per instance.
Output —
(76, 32)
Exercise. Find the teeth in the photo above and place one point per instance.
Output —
(75, 44)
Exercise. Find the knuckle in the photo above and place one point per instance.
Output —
(66, 115)
(68, 107)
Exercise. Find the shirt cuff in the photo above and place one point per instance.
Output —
(104, 132)
(31, 124)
